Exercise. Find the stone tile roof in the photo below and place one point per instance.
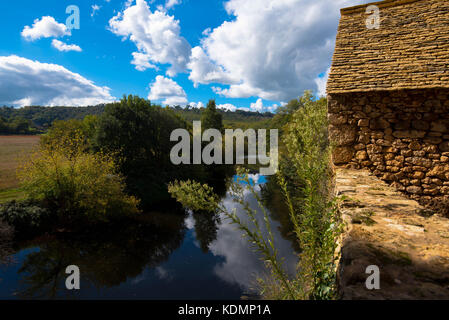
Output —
(410, 50)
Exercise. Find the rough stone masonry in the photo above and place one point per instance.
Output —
(388, 96)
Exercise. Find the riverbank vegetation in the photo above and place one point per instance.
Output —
(114, 163)
(304, 177)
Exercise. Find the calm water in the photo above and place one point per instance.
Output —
(165, 256)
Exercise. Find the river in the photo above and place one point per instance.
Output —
(164, 256)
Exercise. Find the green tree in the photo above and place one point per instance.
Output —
(139, 134)
(211, 118)
(78, 187)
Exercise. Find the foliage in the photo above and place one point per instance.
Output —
(16, 125)
(26, 216)
(210, 118)
(194, 196)
(40, 118)
(63, 132)
(75, 185)
(43, 117)
(305, 179)
(138, 133)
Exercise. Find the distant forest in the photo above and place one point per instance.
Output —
(37, 119)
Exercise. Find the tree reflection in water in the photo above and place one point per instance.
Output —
(106, 260)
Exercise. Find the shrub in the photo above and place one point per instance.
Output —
(76, 185)
(25, 216)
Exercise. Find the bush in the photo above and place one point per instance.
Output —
(75, 185)
(25, 216)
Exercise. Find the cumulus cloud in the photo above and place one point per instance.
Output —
(196, 105)
(171, 3)
(205, 71)
(168, 90)
(46, 27)
(61, 46)
(259, 107)
(274, 48)
(156, 36)
(28, 82)
(227, 107)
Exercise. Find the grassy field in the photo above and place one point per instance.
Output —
(12, 148)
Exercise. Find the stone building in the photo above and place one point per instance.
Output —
(388, 93)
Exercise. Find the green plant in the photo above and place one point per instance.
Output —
(74, 184)
(195, 196)
(305, 178)
(24, 216)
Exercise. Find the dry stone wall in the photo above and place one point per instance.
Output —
(401, 136)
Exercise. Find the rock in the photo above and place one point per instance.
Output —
(414, 190)
(415, 145)
(439, 171)
(438, 126)
(418, 175)
(342, 155)
(378, 123)
(337, 119)
(361, 155)
(444, 147)
(342, 135)
(363, 123)
(410, 134)
(420, 125)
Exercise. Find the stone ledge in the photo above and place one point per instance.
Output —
(385, 228)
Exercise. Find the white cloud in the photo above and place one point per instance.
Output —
(95, 8)
(196, 105)
(46, 27)
(141, 61)
(259, 107)
(227, 107)
(204, 71)
(168, 90)
(156, 36)
(171, 3)
(27, 82)
(274, 48)
(321, 83)
(61, 46)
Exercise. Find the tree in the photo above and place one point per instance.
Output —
(138, 133)
(77, 186)
(211, 118)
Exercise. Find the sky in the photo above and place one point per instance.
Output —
(246, 54)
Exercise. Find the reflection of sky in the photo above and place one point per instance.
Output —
(241, 262)
(227, 271)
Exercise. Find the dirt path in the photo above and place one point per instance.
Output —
(386, 229)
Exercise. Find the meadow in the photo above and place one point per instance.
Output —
(11, 149)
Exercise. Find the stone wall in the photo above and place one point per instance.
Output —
(401, 136)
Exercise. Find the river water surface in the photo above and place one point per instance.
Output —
(165, 256)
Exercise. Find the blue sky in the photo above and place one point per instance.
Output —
(244, 53)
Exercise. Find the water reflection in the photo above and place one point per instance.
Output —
(242, 265)
(106, 261)
(163, 255)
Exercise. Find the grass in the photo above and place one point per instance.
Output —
(12, 148)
